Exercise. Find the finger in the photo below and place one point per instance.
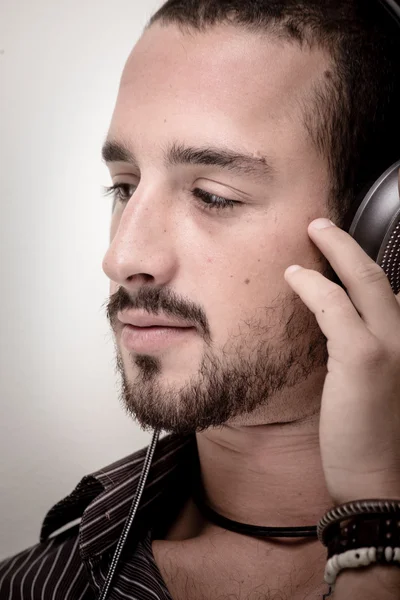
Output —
(336, 315)
(366, 282)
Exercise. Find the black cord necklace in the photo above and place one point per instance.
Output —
(244, 528)
(251, 530)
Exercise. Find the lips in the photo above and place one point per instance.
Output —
(143, 319)
(153, 339)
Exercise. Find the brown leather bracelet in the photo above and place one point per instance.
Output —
(388, 508)
(364, 531)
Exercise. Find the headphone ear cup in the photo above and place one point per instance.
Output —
(349, 219)
(374, 222)
(355, 205)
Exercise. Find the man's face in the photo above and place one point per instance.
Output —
(219, 270)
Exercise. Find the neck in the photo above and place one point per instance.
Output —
(266, 475)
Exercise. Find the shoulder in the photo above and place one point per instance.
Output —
(84, 522)
(45, 569)
(104, 490)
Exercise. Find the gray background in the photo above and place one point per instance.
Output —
(60, 65)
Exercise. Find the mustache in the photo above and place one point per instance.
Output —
(157, 301)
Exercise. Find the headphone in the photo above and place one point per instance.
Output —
(376, 224)
(373, 221)
(374, 218)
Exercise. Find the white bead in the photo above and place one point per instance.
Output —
(342, 560)
(372, 554)
(397, 554)
(388, 553)
(330, 573)
(364, 558)
(354, 558)
(335, 561)
(350, 559)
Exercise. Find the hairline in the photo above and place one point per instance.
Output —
(317, 112)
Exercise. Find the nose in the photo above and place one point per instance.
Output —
(142, 242)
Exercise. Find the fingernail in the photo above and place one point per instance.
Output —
(322, 224)
(293, 269)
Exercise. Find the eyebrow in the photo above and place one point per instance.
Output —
(179, 154)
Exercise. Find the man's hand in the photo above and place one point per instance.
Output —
(360, 405)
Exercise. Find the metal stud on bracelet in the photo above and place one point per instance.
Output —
(364, 531)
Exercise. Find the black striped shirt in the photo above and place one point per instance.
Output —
(73, 564)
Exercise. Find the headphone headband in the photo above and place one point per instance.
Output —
(393, 9)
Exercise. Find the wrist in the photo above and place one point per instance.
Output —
(366, 492)
(370, 583)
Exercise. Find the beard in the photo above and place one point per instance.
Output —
(260, 359)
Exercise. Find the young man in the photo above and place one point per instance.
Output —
(237, 125)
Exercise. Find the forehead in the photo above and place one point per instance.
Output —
(222, 82)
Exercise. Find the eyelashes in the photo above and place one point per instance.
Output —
(123, 192)
(212, 201)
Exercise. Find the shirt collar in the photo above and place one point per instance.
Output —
(102, 499)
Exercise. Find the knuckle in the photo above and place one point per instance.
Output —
(373, 353)
(369, 272)
(336, 295)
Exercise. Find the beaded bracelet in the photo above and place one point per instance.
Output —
(360, 533)
(362, 557)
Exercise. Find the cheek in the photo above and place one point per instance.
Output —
(236, 289)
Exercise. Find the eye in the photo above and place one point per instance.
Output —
(214, 202)
(121, 192)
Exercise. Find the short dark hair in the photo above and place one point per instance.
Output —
(355, 119)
